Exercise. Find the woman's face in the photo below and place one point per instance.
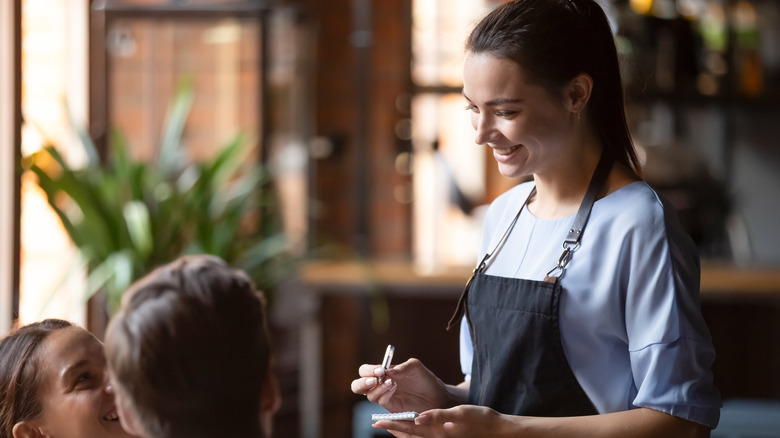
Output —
(528, 127)
(76, 402)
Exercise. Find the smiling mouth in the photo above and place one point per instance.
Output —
(507, 151)
(111, 416)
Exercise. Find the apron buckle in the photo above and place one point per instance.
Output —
(563, 261)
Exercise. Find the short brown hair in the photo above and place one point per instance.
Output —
(190, 350)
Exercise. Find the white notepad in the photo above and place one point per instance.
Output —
(407, 416)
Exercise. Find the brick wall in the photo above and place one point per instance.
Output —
(387, 72)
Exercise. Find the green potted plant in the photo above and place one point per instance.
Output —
(127, 216)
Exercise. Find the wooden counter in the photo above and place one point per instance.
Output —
(729, 280)
(716, 280)
(355, 276)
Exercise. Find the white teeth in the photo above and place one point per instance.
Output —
(111, 417)
(507, 151)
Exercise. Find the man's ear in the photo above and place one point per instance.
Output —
(26, 429)
(271, 398)
(127, 415)
(131, 424)
(270, 402)
(578, 92)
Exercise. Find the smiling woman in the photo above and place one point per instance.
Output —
(53, 380)
(616, 344)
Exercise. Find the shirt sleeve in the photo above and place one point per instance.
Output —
(670, 349)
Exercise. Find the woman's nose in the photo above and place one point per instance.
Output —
(109, 386)
(484, 129)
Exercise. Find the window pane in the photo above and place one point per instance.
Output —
(148, 58)
(453, 180)
(439, 30)
(54, 50)
(449, 172)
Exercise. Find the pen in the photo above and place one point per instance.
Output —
(386, 361)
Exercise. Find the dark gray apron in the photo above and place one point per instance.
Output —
(519, 366)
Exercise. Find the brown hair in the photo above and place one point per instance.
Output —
(19, 373)
(190, 350)
(554, 41)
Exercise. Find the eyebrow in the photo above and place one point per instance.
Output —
(498, 101)
(73, 368)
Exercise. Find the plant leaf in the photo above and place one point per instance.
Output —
(138, 226)
(170, 149)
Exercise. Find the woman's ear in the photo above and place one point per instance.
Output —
(26, 429)
(578, 92)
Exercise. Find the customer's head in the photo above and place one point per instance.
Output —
(54, 382)
(189, 353)
(554, 42)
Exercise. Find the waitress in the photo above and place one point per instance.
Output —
(582, 317)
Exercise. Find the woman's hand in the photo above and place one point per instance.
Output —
(409, 386)
(458, 422)
(477, 421)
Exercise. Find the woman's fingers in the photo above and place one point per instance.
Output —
(362, 386)
(437, 417)
(397, 428)
(384, 393)
(371, 376)
(373, 390)
(368, 370)
(401, 434)
(381, 393)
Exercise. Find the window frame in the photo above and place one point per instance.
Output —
(102, 16)
(10, 153)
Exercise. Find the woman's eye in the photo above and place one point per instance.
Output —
(83, 378)
(505, 113)
(470, 107)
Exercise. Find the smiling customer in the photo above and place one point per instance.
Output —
(54, 383)
(582, 317)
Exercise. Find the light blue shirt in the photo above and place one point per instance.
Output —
(630, 321)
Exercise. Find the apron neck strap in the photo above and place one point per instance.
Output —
(596, 184)
(461, 309)
(572, 241)
(483, 263)
(570, 244)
